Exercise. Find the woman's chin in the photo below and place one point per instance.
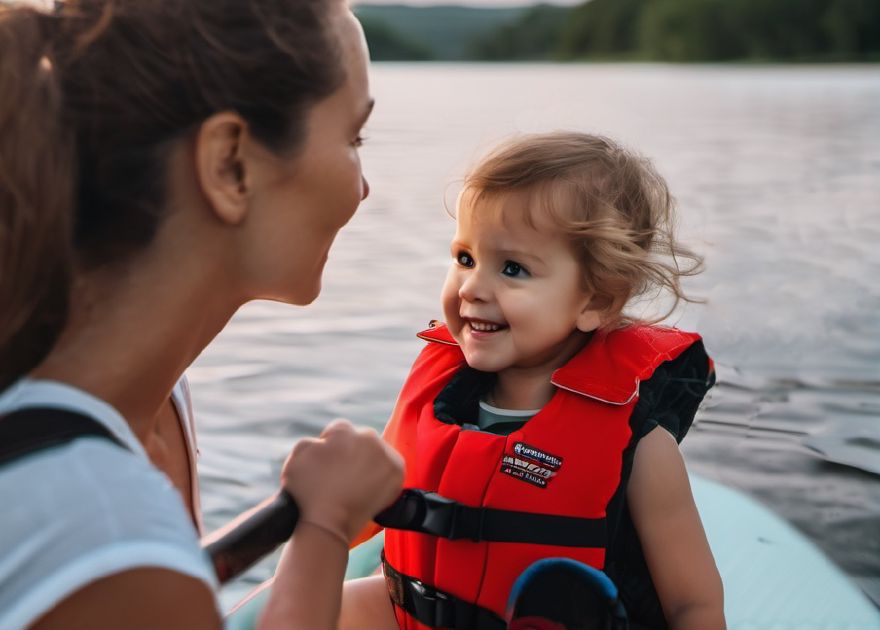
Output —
(305, 297)
(300, 294)
(304, 294)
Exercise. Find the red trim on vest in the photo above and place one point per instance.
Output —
(566, 460)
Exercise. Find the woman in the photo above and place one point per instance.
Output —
(161, 164)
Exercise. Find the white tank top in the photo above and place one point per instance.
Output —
(83, 511)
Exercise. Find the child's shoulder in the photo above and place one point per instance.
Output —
(634, 351)
(613, 364)
(671, 394)
(650, 338)
(664, 349)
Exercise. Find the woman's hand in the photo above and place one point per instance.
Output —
(340, 480)
(343, 478)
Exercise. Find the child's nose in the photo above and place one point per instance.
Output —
(474, 288)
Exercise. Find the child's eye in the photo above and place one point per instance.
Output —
(514, 270)
(359, 141)
(464, 259)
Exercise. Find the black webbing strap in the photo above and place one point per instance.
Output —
(430, 513)
(29, 430)
(32, 430)
(434, 608)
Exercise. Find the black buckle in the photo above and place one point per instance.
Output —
(430, 606)
(435, 608)
(441, 515)
(407, 512)
(431, 513)
(452, 520)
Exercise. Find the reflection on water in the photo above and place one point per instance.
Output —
(777, 172)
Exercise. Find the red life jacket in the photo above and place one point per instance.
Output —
(539, 492)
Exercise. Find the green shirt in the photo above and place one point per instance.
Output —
(502, 421)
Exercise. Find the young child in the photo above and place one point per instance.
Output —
(540, 421)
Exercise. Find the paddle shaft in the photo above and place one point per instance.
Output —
(259, 535)
(256, 536)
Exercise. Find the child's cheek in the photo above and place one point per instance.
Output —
(450, 303)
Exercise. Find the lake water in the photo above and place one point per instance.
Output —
(777, 174)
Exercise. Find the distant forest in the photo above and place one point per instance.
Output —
(637, 30)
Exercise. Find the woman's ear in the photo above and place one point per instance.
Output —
(220, 167)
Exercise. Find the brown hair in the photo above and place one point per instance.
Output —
(92, 96)
(611, 202)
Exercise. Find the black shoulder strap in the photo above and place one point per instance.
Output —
(29, 430)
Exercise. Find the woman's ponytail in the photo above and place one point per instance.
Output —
(37, 174)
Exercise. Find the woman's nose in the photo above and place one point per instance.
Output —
(365, 188)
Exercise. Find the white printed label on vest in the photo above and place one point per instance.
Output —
(530, 464)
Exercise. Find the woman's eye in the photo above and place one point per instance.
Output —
(514, 270)
(359, 141)
(464, 259)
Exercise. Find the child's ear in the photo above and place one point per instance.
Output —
(589, 320)
(598, 310)
(591, 314)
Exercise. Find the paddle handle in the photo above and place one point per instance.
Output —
(256, 536)
(268, 527)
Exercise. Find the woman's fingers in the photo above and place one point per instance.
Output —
(343, 478)
(336, 426)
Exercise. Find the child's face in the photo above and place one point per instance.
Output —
(513, 297)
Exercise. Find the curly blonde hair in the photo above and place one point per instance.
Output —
(611, 202)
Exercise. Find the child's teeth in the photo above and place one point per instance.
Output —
(484, 327)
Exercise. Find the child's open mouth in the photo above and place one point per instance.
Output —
(482, 326)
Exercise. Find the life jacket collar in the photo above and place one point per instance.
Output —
(609, 372)
(582, 375)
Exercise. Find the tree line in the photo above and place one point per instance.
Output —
(672, 30)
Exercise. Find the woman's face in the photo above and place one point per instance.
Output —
(303, 201)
